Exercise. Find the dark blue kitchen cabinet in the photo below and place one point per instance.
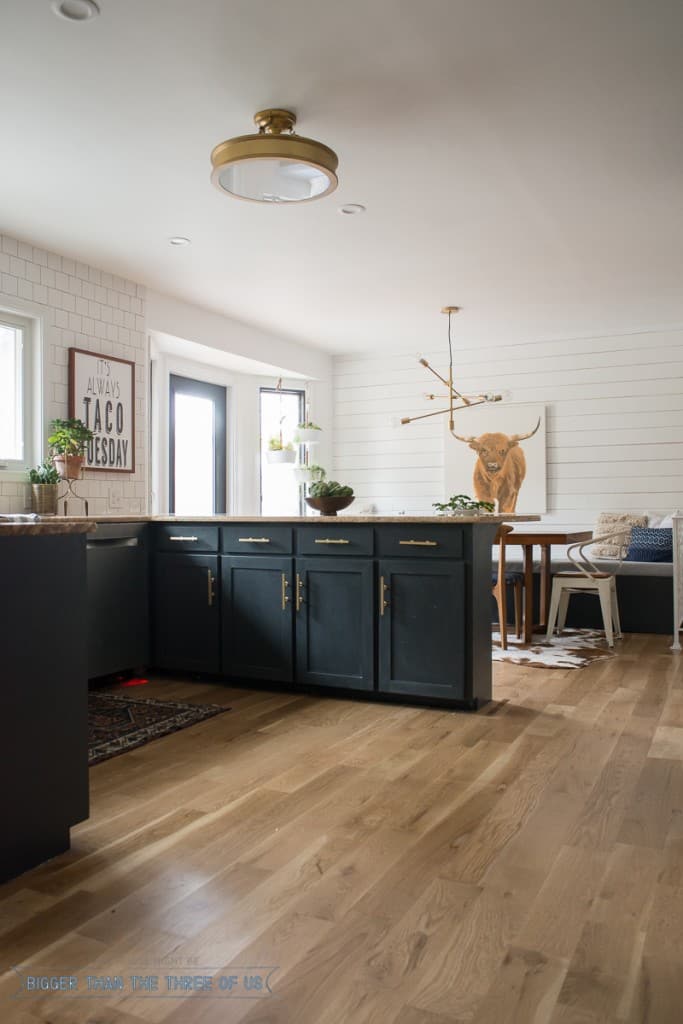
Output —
(257, 619)
(333, 599)
(421, 641)
(186, 620)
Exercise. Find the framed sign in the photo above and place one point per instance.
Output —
(102, 394)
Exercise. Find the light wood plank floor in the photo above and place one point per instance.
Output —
(398, 865)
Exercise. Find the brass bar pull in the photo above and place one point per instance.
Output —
(285, 597)
(190, 539)
(254, 540)
(330, 540)
(299, 594)
(419, 543)
(210, 580)
(383, 603)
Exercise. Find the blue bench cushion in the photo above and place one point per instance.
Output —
(650, 545)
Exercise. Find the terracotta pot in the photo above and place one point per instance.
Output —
(331, 505)
(68, 466)
(44, 499)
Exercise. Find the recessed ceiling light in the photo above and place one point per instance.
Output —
(351, 208)
(179, 240)
(76, 10)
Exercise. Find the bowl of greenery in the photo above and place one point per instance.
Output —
(329, 497)
(463, 505)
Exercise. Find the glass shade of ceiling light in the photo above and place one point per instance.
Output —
(75, 10)
(456, 400)
(276, 165)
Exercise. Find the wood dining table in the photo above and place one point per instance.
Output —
(545, 540)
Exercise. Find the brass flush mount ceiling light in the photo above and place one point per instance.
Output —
(455, 399)
(276, 165)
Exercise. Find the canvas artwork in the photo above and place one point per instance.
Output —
(498, 455)
(102, 394)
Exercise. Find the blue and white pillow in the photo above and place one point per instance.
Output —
(650, 545)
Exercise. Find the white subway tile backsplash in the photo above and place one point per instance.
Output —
(81, 305)
(9, 284)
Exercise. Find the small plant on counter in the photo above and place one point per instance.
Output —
(44, 480)
(45, 474)
(68, 441)
(330, 489)
(461, 503)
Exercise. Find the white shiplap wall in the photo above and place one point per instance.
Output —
(614, 422)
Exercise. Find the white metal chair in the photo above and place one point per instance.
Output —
(587, 579)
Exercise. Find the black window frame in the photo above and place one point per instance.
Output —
(218, 394)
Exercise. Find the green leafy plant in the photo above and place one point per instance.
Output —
(462, 503)
(330, 489)
(317, 473)
(69, 437)
(44, 474)
(308, 426)
(276, 444)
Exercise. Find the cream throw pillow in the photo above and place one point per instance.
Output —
(610, 522)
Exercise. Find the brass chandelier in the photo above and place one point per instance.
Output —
(275, 165)
(456, 400)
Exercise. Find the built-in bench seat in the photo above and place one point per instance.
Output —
(644, 591)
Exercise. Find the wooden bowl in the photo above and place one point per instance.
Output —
(331, 505)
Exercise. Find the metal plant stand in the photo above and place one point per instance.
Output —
(71, 493)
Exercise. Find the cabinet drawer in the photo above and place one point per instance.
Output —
(189, 537)
(257, 539)
(335, 540)
(420, 541)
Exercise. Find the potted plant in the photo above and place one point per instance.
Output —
(44, 481)
(307, 433)
(309, 474)
(462, 505)
(68, 441)
(328, 497)
(278, 451)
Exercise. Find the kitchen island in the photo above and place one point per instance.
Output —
(43, 689)
(384, 608)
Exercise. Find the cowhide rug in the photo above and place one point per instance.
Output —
(575, 648)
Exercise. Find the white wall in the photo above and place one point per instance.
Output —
(83, 307)
(615, 422)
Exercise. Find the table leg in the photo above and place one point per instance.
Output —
(528, 593)
(545, 587)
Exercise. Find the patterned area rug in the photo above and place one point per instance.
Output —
(576, 648)
(118, 724)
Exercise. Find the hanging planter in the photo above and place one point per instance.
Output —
(307, 433)
(279, 453)
(309, 474)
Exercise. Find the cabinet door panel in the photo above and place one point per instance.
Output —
(334, 623)
(258, 638)
(187, 612)
(421, 630)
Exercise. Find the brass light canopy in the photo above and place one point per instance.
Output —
(274, 165)
(456, 400)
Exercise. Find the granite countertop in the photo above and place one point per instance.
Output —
(307, 520)
(43, 527)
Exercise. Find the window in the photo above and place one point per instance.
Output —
(16, 385)
(281, 412)
(197, 447)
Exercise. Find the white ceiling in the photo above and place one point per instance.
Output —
(521, 158)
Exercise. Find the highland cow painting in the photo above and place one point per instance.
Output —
(498, 455)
